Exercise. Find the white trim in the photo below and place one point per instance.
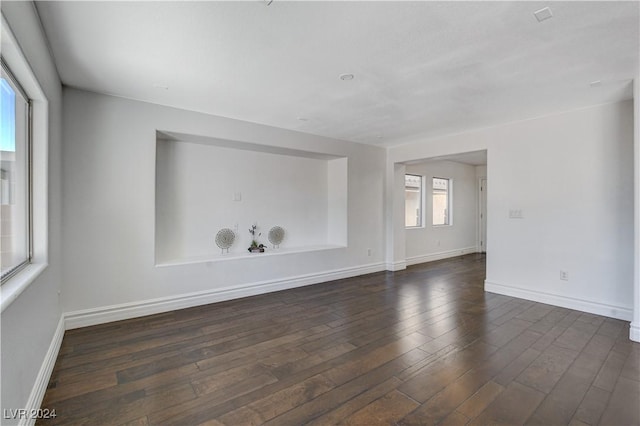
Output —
(414, 260)
(18, 283)
(124, 311)
(481, 244)
(634, 332)
(396, 266)
(46, 369)
(613, 311)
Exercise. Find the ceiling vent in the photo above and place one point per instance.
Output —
(543, 14)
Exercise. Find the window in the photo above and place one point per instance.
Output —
(441, 201)
(413, 201)
(15, 176)
(24, 141)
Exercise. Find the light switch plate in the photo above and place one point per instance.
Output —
(515, 214)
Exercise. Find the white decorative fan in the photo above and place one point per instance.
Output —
(276, 235)
(225, 238)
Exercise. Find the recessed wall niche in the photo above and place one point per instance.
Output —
(204, 184)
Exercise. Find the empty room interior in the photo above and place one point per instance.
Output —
(320, 212)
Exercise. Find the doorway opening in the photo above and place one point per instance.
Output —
(453, 208)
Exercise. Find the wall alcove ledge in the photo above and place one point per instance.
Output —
(219, 257)
(204, 184)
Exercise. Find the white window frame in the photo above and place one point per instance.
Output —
(16, 61)
(449, 214)
(19, 91)
(422, 201)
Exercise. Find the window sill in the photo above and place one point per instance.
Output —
(18, 283)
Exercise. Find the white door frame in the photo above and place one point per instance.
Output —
(482, 215)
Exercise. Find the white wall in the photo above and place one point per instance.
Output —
(432, 242)
(395, 236)
(196, 185)
(337, 201)
(109, 206)
(572, 176)
(30, 322)
(481, 172)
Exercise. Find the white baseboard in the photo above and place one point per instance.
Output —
(124, 311)
(612, 311)
(634, 332)
(414, 260)
(396, 266)
(42, 379)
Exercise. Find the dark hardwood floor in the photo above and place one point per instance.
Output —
(421, 346)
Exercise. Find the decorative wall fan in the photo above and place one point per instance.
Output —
(225, 238)
(276, 235)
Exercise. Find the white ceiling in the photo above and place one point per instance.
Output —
(421, 68)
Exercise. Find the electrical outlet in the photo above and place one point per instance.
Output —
(564, 275)
(368, 252)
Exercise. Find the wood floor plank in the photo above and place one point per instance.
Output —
(592, 406)
(168, 396)
(425, 345)
(623, 408)
(454, 419)
(609, 372)
(280, 402)
(577, 336)
(513, 406)
(374, 359)
(546, 370)
(479, 401)
(64, 389)
(386, 410)
(349, 407)
(516, 367)
(443, 372)
(441, 405)
(295, 366)
(331, 400)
